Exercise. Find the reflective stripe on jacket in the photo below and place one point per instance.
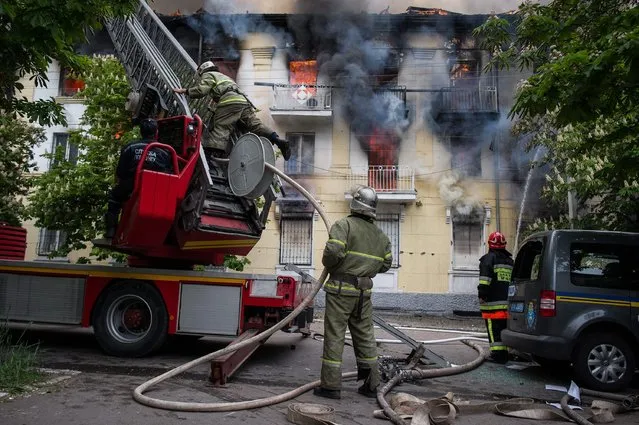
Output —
(495, 271)
(356, 247)
(222, 89)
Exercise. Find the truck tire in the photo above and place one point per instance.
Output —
(130, 320)
(604, 362)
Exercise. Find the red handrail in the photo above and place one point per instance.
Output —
(138, 170)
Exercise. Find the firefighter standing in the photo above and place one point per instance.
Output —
(495, 270)
(157, 159)
(231, 107)
(355, 252)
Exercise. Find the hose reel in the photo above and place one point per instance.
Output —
(248, 170)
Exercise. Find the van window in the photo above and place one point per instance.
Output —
(598, 265)
(528, 262)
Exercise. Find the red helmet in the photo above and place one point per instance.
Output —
(496, 240)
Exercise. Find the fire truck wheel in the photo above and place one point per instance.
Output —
(130, 320)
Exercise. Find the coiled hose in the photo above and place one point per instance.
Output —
(140, 397)
(138, 393)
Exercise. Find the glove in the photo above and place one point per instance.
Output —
(282, 145)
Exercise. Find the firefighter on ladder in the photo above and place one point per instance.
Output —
(231, 107)
(495, 270)
(355, 252)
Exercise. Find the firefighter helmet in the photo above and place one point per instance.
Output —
(496, 240)
(206, 66)
(364, 201)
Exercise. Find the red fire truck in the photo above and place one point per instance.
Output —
(195, 214)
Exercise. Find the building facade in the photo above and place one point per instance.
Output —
(402, 106)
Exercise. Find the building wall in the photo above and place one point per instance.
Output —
(425, 231)
(73, 109)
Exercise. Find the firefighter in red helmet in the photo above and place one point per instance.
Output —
(495, 270)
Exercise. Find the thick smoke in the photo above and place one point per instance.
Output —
(351, 54)
(456, 196)
(223, 24)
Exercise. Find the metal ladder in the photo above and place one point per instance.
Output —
(151, 56)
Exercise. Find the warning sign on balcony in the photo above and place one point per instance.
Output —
(302, 94)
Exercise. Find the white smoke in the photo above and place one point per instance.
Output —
(456, 196)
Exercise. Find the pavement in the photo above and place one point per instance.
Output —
(101, 392)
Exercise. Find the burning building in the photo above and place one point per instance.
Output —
(395, 100)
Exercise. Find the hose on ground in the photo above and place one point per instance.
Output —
(571, 413)
(138, 393)
(627, 401)
(422, 374)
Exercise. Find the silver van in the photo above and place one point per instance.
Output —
(574, 299)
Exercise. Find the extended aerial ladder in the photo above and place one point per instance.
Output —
(193, 216)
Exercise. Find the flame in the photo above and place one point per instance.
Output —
(303, 72)
(382, 153)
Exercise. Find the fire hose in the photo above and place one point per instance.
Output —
(140, 397)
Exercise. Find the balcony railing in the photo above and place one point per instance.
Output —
(302, 98)
(459, 101)
(384, 178)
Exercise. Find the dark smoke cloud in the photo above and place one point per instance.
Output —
(350, 53)
(222, 25)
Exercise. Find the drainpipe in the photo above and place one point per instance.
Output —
(497, 140)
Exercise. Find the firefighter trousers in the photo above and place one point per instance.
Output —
(224, 121)
(498, 351)
(342, 311)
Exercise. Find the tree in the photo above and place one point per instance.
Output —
(17, 140)
(32, 34)
(72, 197)
(581, 102)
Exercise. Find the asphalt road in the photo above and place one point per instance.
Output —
(101, 393)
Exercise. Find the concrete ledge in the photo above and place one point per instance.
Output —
(431, 304)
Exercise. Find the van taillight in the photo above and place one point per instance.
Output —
(547, 304)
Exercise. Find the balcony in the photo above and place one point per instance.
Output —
(393, 183)
(302, 100)
(453, 103)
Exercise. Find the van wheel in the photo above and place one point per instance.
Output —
(604, 362)
(130, 320)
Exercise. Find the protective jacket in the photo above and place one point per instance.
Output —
(157, 159)
(356, 248)
(222, 89)
(495, 270)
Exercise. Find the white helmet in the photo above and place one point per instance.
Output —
(206, 66)
(364, 201)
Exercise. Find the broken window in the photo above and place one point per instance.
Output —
(302, 153)
(465, 155)
(296, 239)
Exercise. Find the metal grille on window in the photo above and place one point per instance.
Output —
(467, 244)
(302, 153)
(389, 224)
(296, 239)
(49, 241)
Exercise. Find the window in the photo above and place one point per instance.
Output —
(49, 241)
(68, 150)
(389, 224)
(599, 265)
(296, 239)
(302, 153)
(465, 157)
(528, 262)
(69, 86)
(467, 243)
